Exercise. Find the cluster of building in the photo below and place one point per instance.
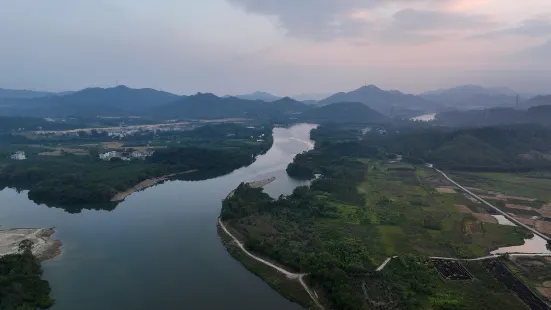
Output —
(126, 156)
(122, 131)
(19, 155)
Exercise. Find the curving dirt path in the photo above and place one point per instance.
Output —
(288, 274)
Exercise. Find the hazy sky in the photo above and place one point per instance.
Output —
(280, 46)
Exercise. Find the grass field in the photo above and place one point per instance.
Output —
(533, 185)
(414, 218)
(403, 276)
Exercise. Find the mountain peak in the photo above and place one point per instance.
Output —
(369, 87)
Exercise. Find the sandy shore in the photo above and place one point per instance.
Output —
(145, 184)
(261, 183)
(45, 247)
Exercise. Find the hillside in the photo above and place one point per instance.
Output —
(537, 101)
(92, 102)
(263, 96)
(472, 97)
(209, 106)
(499, 148)
(391, 103)
(22, 93)
(496, 116)
(343, 112)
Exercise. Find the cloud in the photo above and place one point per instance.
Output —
(410, 19)
(312, 19)
(332, 19)
(410, 26)
(535, 27)
(539, 54)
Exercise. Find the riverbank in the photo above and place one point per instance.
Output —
(144, 185)
(261, 183)
(287, 284)
(45, 247)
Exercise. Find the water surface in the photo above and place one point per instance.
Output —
(158, 249)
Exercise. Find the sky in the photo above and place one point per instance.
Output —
(285, 47)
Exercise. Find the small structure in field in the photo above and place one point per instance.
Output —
(19, 155)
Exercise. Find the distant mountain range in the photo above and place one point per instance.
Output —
(22, 94)
(537, 101)
(307, 98)
(495, 116)
(469, 90)
(117, 101)
(209, 106)
(470, 97)
(343, 112)
(263, 96)
(125, 101)
(392, 103)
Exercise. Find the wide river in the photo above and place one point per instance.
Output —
(158, 249)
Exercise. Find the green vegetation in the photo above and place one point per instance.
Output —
(291, 289)
(360, 212)
(513, 148)
(413, 283)
(20, 285)
(74, 182)
(531, 184)
(496, 116)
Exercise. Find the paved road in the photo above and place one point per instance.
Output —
(493, 256)
(288, 274)
(514, 220)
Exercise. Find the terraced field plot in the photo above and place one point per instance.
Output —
(451, 269)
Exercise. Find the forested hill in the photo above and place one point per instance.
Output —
(387, 102)
(344, 112)
(501, 148)
(90, 102)
(22, 93)
(209, 106)
(497, 116)
(537, 101)
(472, 97)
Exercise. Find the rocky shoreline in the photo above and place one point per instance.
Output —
(44, 246)
(145, 184)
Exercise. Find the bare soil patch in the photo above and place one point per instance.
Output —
(520, 207)
(112, 145)
(519, 198)
(485, 218)
(502, 198)
(526, 220)
(445, 190)
(543, 227)
(545, 210)
(545, 291)
(145, 184)
(59, 151)
(44, 247)
(463, 209)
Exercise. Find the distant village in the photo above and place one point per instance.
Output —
(126, 156)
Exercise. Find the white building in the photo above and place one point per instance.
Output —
(19, 155)
(107, 156)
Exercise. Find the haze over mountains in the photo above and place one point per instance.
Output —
(22, 94)
(259, 95)
(125, 101)
(392, 103)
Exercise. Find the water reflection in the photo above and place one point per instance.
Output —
(159, 248)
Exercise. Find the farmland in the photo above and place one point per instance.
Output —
(505, 276)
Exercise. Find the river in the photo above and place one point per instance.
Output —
(159, 248)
